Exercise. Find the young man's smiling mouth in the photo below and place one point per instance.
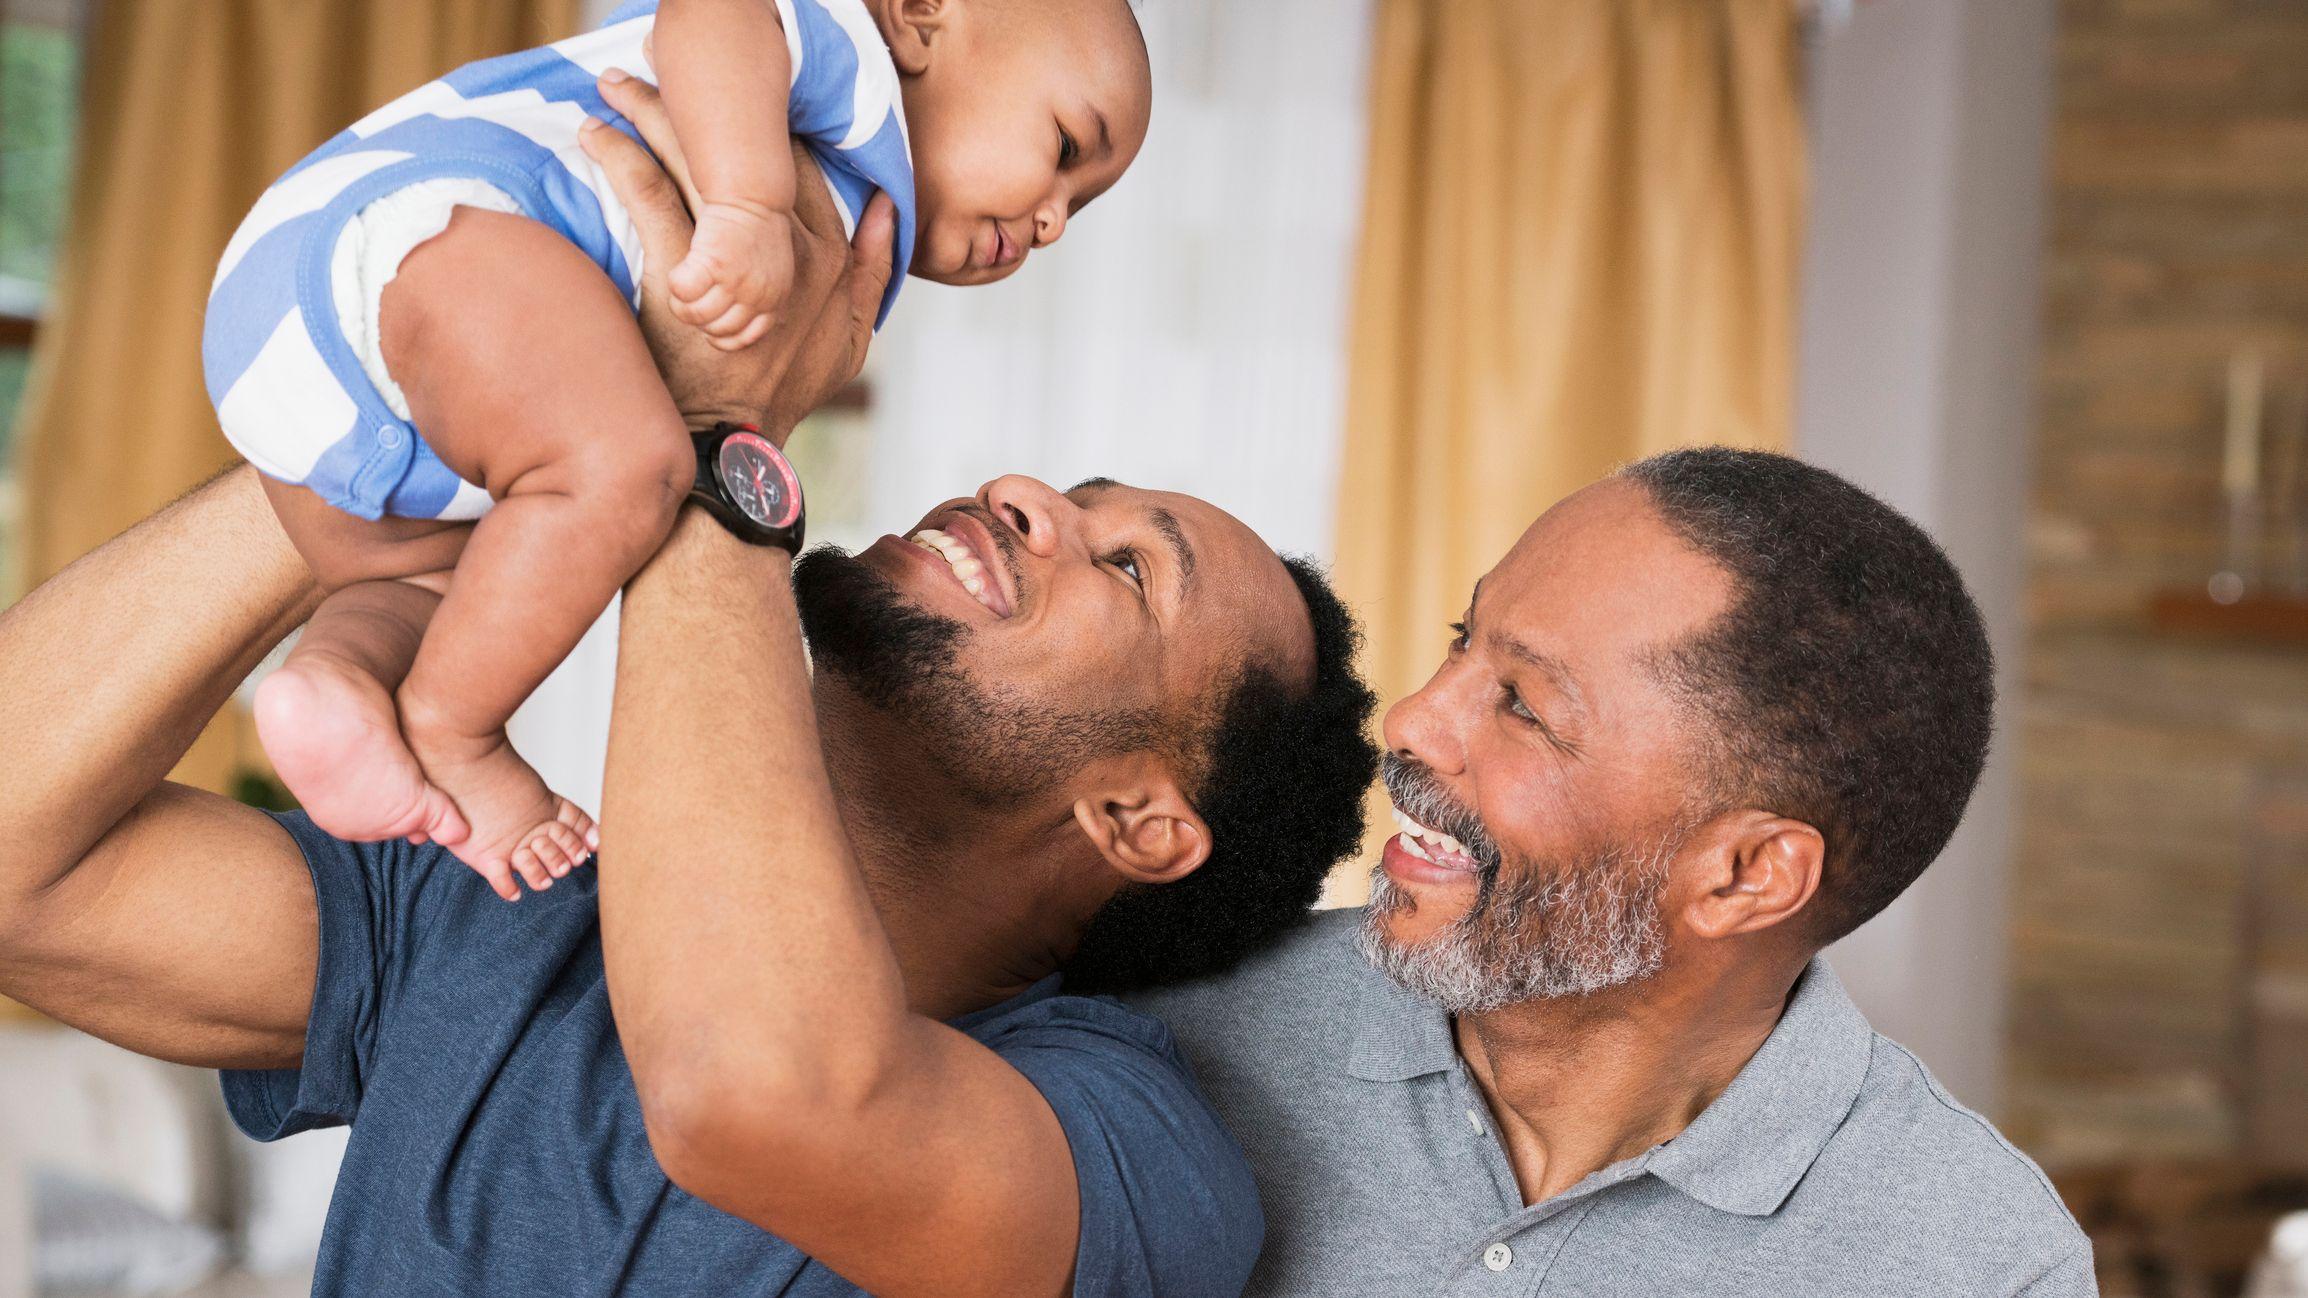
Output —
(972, 559)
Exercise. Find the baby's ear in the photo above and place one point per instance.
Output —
(915, 28)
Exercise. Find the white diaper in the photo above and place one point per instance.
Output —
(371, 249)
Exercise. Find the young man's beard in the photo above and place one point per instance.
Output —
(1535, 931)
(906, 662)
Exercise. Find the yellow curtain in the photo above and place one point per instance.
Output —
(189, 109)
(1580, 243)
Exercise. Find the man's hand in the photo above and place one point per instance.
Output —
(819, 340)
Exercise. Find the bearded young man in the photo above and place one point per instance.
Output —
(1707, 716)
(829, 914)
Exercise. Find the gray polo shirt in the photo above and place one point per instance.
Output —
(1833, 1164)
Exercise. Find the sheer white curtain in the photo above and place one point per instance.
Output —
(1189, 331)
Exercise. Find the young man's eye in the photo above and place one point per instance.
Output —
(1127, 561)
(1067, 149)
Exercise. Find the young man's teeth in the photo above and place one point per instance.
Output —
(965, 564)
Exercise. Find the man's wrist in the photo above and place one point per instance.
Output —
(697, 527)
(705, 419)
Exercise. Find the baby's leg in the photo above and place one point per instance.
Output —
(327, 716)
(328, 723)
(527, 374)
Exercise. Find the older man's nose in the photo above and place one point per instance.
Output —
(1032, 508)
(1427, 727)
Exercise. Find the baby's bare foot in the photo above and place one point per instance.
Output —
(517, 825)
(330, 730)
(560, 844)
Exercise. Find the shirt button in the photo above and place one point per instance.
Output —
(1498, 1257)
(1475, 1120)
(389, 438)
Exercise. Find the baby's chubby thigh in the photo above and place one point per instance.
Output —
(522, 366)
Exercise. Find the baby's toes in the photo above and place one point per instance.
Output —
(574, 839)
(551, 846)
(586, 830)
(531, 869)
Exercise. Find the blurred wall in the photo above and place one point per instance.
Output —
(2160, 993)
(1188, 334)
(1916, 380)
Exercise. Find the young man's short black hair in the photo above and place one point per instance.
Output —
(1282, 792)
(1849, 685)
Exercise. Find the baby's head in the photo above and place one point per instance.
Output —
(1019, 112)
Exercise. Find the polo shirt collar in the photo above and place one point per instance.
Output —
(1747, 1151)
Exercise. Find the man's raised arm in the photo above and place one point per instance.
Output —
(782, 1074)
(173, 922)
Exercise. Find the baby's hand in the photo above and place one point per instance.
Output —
(739, 268)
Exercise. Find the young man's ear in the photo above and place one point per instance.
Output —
(916, 26)
(1143, 823)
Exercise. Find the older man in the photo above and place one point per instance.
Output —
(830, 912)
(1705, 718)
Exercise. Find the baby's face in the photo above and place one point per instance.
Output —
(1024, 112)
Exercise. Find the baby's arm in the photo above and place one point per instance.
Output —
(726, 75)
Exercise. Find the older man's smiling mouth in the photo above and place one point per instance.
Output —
(1433, 846)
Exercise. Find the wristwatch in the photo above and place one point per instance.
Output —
(747, 483)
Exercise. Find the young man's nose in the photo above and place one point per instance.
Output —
(1032, 508)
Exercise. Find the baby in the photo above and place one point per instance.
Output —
(472, 449)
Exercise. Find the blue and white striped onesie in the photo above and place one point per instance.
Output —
(290, 346)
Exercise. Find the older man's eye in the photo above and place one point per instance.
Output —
(1127, 562)
(1458, 635)
(1521, 709)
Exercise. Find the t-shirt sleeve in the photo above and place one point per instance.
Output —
(367, 895)
(1168, 1205)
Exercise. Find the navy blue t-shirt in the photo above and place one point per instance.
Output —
(497, 1146)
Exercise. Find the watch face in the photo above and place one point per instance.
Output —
(759, 480)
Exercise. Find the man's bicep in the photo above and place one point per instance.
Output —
(189, 933)
(953, 1179)
(1073, 1161)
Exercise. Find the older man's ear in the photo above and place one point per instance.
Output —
(1756, 871)
(1141, 821)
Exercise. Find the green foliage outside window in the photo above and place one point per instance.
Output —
(39, 87)
(39, 70)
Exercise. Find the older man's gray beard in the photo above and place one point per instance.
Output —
(1536, 934)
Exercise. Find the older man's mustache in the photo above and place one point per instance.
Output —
(1419, 795)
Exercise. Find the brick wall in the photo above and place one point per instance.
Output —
(2160, 998)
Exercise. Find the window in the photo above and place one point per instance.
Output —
(39, 85)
